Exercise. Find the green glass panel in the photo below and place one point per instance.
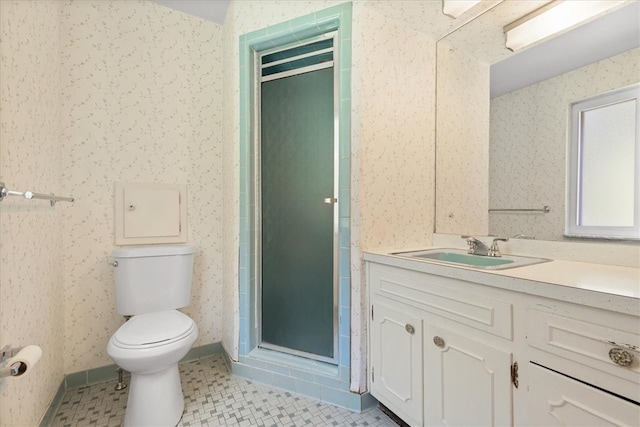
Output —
(297, 226)
(298, 50)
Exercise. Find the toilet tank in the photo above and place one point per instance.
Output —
(152, 278)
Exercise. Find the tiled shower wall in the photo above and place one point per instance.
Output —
(396, 115)
(31, 281)
(243, 17)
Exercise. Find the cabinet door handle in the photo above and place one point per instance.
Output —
(409, 328)
(621, 357)
(438, 341)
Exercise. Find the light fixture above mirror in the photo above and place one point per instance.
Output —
(455, 8)
(553, 18)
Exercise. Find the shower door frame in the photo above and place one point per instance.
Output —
(257, 193)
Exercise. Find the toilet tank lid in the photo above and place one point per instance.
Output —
(156, 250)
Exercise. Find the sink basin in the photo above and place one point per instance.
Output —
(462, 258)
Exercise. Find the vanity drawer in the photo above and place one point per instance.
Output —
(463, 302)
(585, 339)
(556, 400)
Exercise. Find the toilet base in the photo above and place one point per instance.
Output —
(155, 399)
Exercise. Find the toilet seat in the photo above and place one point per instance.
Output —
(153, 330)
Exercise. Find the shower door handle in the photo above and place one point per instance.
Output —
(330, 200)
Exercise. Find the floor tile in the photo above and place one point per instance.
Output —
(213, 397)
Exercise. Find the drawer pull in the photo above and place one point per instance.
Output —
(409, 328)
(438, 341)
(621, 357)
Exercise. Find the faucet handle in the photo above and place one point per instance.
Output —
(494, 250)
(471, 241)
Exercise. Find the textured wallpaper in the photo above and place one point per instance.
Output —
(31, 289)
(529, 136)
(463, 143)
(142, 102)
(393, 140)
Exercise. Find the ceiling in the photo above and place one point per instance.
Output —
(211, 10)
(607, 36)
(483, 38)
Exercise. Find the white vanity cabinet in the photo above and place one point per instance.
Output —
(454, 351)
(396, 358)
(467, 381)
(575, 354)
(440, 349)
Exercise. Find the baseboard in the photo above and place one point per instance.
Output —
(301, 377)
(110, 372)
(47, 419)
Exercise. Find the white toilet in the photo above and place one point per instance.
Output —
(152, 282)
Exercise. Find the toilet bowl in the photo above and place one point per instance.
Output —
(152, 282)
(150, 346)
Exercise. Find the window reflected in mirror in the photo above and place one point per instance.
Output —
(603, 170)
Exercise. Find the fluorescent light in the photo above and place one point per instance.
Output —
(455, 8)
(553, 18)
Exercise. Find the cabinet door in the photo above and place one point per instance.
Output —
(556, 400)
(396, 359)
(467, 381)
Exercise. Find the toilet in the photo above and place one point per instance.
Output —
(152, 283)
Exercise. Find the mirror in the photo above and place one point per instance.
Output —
(503, 117)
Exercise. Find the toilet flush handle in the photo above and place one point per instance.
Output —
(114, 263)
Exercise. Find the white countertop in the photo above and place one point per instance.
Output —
(598, 285)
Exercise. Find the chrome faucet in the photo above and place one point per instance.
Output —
(477, 247)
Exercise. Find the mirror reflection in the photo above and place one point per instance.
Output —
(508, 153)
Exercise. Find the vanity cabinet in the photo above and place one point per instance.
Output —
(440, 349)
(584, 365)
(396, 358)
(448, 351)
(467, 382)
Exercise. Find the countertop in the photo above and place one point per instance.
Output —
(597, 285)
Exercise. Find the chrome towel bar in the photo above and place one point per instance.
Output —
(4, 192)
(544, 209)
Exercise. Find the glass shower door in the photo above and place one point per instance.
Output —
(297, 214)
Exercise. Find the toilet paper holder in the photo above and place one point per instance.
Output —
(14, 369)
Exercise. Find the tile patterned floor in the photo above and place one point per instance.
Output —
(215, 398)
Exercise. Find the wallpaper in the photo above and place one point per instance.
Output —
(142, 102)
(393, 140)
(100, 91)
(529, 134)
(31, 285)
(463, 149)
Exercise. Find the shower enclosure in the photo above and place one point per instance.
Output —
(297, 199)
